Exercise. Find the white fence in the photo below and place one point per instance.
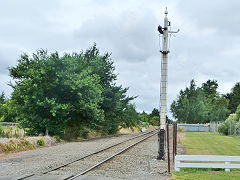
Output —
(194, 127)
(9, 124)
(208, 127)
(180, 162)
(214, 125)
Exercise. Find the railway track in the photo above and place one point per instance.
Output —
(89, 162)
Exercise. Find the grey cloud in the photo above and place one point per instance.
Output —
(207, 47)
(222, 15)
(130, 38)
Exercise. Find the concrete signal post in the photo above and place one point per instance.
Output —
(164, 32)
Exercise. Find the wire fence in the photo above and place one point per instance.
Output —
(208, 127)
(11, 130)
(233, 128)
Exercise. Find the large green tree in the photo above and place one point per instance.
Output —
(155, 112)
(2, 102)
(215, 104)
(200, 104)
(234, 97)
(189, 105)
(115, 99)
(210, 88)
(53, 92)
(73, 91)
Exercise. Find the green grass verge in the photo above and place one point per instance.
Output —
(205, 175)
(211, 144)
(206, 143)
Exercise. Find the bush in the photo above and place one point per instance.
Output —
(223, 129)
(41, 142)
(155, 121)
(26, 143)
(1, 130)
(83, 133)
(75, 131)
(181, 129)
(58, 139)
(232, 118)
(15, 146)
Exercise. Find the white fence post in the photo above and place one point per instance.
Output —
(176, 165)
(227, 169)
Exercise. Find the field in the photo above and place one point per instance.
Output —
(211, 144)
(204, 143)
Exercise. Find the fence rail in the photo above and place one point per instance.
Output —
(10, 130)
(180, 162)
(195, 127)
(8, 123)
(208, 127)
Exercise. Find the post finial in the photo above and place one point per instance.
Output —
(166, 12)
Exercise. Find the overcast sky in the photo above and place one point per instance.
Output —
(207, 46)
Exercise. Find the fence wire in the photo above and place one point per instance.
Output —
(234, 128)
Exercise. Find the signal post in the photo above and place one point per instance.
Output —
(164, 31)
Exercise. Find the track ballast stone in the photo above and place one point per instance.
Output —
(138, 162)
(39, 160)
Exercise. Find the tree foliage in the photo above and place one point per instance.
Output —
(61, 93)
(155, 112)
(234, 97)
(2, 102)
(200, 104)
(232, 120)
(155, 121)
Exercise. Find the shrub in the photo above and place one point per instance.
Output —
(231, 118)
(155, 121)
(41, 142)
(84, 133)
(15, 146)
(58, 139)
(223, 129)
(1, 130)
(26, 143)
(181, 129)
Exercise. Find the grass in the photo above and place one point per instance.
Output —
(41, 142)
(16, 146)
(205, 175)
(206, 143)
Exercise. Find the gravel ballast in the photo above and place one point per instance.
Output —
(136, 163)
(38, 160)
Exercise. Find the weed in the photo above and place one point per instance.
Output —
(27, 143)
(41, 142)
(58, 139)
(181, 129)
(1, 129)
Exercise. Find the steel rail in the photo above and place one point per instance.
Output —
(88, 155)
(109, 158)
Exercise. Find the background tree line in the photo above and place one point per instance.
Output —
(204, 104)
(73, 93)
